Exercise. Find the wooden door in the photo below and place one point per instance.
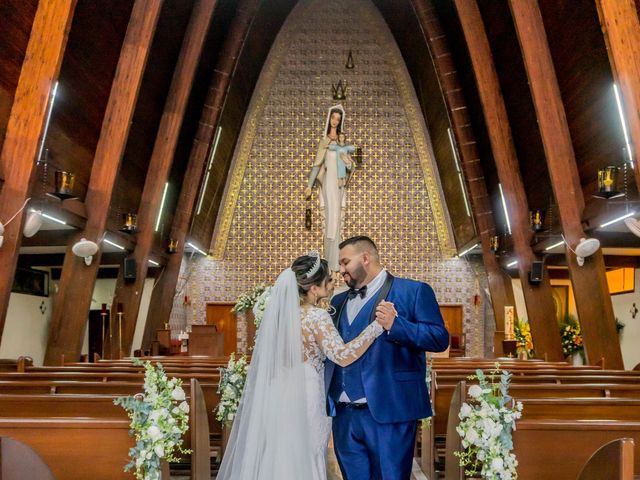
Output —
(220, 315)
(452, 316)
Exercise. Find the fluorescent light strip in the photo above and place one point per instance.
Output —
(114, 244)
(610, 222)
(155, 264)
(196, 248)
(54, 90)
(551, 247)
(204, 189)
(512, 264)
(623, 123)
(62, 222)
(215, 148)
(209, 165)
(459, 170)
(467, 250)
(504, 206)
(164, 196)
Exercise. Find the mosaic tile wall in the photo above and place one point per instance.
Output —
(395, 197)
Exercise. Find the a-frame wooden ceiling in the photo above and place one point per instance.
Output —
(575, 39)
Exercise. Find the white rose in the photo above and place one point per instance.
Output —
(184, 406)
(471, 436)
(497, 464)
(178, 394)
(154, 433)
(475, 391)
(154, 416)
(159, 450)
(465, 410)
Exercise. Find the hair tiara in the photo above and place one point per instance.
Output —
(316, 265)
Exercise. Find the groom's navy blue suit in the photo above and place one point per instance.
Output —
(376, 442)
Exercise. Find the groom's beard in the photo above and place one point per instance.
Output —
(355, 280)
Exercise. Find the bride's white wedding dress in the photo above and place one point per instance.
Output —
(321, 340)
(281, 429)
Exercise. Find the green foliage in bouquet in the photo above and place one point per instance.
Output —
(486, 425)
(159, 419)
(232, 379)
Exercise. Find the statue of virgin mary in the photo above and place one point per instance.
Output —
(325, 173)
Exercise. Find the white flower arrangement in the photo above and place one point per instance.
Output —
(159, 419)
(260, 305)
(247, 300)
(232, 380)
(486, 426)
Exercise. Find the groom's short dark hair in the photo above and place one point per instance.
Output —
(360, 241)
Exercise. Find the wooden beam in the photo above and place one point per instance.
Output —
(538, 298)
(165, 289)
(129, 293)
(593, 301)
(621, 28)
(500, 285)
(40, 71)
(73, 300)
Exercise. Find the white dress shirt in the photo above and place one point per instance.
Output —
(354, 305)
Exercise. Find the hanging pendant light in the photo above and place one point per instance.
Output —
(608, 183)
(64, 185)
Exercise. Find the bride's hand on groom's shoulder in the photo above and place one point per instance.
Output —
(386, 314)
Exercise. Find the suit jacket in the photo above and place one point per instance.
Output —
(394, 367)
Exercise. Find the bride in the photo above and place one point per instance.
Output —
(281, 428)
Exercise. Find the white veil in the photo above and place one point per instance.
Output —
(270, 435)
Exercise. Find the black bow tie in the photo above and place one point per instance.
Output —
(353, 293)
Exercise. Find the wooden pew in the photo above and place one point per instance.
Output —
(559, 448)
(11, 365)
(81, 435)
(613, 460)
(130, 384)
(554, 429)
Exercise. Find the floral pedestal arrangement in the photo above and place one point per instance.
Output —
(571, 337)
(486, 423)
(159, 419)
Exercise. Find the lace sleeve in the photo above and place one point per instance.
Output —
(332, 345)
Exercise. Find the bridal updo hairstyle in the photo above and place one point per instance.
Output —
(302, 265)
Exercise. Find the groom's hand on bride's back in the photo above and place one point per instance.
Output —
(386, 314)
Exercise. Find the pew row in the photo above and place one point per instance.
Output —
(87, 435)
(556, 437)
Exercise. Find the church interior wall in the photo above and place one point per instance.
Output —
(395, 196)
(28, 320)
(622, 310)
(27, 327)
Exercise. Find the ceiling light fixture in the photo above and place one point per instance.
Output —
(615, 220)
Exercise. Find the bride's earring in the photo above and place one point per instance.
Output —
(315, 299)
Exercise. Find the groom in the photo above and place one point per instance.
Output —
(377, 400)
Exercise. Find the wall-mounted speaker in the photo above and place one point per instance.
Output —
(129, 268)
(537, 272)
